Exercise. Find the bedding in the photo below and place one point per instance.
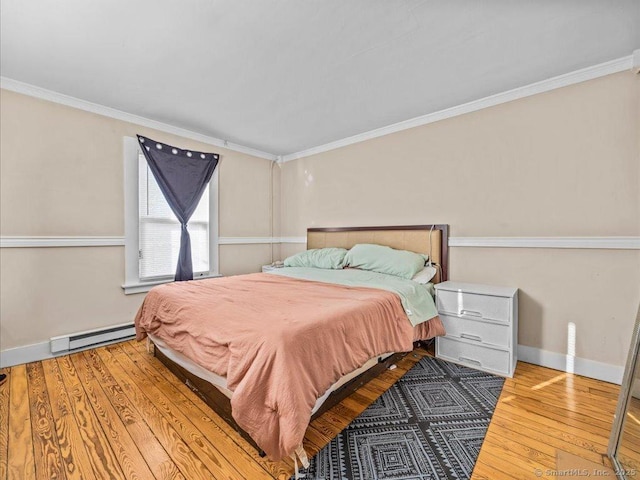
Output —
(418, 304)
(425, 275)
(382, 259)
(420, 332)
(267, 334)
(332, 258)
(221, 382)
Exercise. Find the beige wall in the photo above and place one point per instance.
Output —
(61, 173)
(562, 163)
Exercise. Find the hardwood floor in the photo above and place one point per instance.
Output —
(116, 412)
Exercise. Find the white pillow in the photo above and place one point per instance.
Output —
(425, 275)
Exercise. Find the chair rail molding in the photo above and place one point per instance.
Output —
(618, 243)
(60, 241)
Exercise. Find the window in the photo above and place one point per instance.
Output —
(159, 230)
(152, 232)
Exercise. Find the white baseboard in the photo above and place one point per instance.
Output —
(566, 363)
(36, 353)
(26, 354)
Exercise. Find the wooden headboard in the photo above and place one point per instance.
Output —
(432, 240)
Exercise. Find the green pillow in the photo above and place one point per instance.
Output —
(318, 258)
(378, 258)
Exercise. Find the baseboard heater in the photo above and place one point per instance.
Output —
(92, 338)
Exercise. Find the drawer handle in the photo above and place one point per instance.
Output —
(470, 360)
(471, 313)
(468, 336)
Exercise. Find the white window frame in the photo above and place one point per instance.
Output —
(132, 282)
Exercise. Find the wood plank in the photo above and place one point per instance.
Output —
(532, 415)
(226, 449)
(223, 446)
(565, 386)
(564, 383)
(574, 407)
(552, 436)
(21, 464)
(131, 461)
(74, 454)
(530, 371)
(486, 471)
(538, 451)
(327, 425)
(510, 466)
(196, 407)
(214, 398)
(99, 451)
(4, 424)
(535, 420)
(521, 451)
(357, 402)
(593, 429)
(316, 440)
(154, 454)
(194, 454)
(46, 450)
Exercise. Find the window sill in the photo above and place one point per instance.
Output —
(141, 287)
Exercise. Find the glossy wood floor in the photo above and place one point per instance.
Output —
(116, 412)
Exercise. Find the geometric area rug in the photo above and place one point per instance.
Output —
(430, 425)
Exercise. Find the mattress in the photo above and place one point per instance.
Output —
(221, 382)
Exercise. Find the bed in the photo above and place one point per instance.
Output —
(269, 352)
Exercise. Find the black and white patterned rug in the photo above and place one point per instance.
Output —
(429, 426)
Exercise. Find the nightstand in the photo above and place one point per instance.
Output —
(482, 326)
(269, 268)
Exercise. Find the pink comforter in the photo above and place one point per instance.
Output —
(280, 342)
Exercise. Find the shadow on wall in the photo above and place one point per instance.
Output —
(529, 313)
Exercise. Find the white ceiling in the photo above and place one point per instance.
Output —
(286, 75)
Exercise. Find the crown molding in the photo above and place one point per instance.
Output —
(578, 76)
(51, 96)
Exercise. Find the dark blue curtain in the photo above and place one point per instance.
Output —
(182, 176)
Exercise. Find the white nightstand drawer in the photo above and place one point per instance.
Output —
(477, 331)
(474, 356)
(472, 305)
